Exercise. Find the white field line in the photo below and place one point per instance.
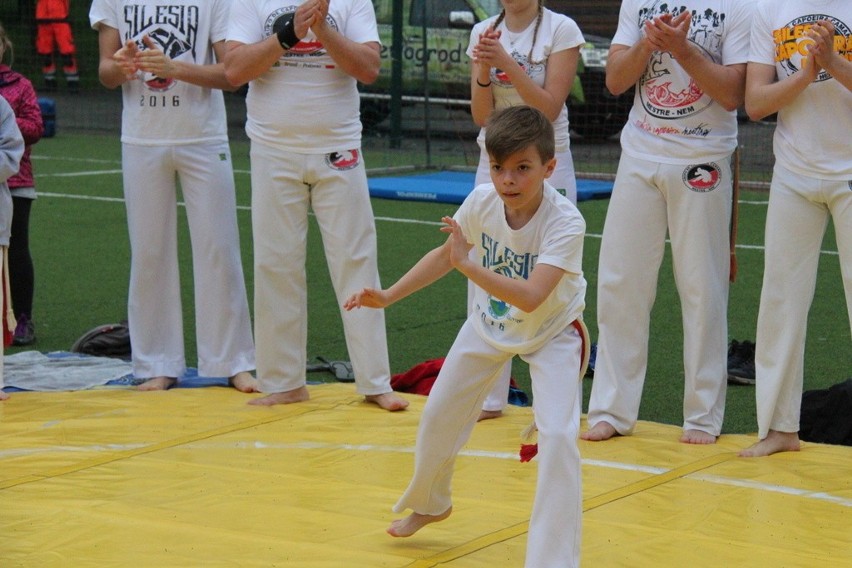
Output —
(513, 456)
(386, 219)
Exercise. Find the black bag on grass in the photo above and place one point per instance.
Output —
(109, 340)
(827, 415)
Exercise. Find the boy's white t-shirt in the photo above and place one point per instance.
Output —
(554, 236)
(672, 120)
(557, 32)
(163, 112)
(812, 132)
(304, 103)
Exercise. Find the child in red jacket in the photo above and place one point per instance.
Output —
(19, 93)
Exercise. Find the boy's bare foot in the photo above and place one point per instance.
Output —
(697, 437)
(4, 395)
(388, 400)
(300, 394)
(414, 522)
(243, 382)
(773, 443)
(599, 432)
(489, 414)
(157, 384)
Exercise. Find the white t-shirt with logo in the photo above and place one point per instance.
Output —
(304, 103)
(672, 120)
(557, 32)
(554, 236)
(162, 112)
(812, 134)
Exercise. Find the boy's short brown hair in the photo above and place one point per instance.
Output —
(516, 128)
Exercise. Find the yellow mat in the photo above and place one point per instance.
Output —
(195, 477)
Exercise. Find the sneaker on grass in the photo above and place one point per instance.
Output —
(741, 363)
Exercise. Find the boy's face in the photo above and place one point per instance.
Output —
(519, 179)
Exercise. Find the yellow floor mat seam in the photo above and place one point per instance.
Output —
(588, 504)
(655, 480)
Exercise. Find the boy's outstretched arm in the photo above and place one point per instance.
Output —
(526, 295)
(434, 265)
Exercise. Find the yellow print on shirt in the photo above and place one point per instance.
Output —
(792, 43)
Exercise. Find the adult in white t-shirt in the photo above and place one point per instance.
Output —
(687, 62)
(528, 55)
(167, 59)
(799, 67)
(302, 61)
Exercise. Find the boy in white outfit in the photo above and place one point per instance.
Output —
(11, 150)
(800, 68)
(529, 297)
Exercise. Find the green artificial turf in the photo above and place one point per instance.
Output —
(81, 254)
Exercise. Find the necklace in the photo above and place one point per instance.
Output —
(515, 37)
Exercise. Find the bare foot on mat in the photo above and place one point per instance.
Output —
(300, 394)
(489, 414)
(599, 432)
(389, 401)
(414, 522)
(243, 382)
(157, 384)
(773, 443)
(697, 437)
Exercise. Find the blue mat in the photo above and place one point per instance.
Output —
(453, 187)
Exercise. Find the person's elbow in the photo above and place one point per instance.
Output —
(234, 76)
(109, 80)
(234, 79)
(732, 102)
(754, 111)
(616, 85)
(530, 302)
(370, 74)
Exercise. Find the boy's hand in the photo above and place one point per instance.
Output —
(459, 247)
(367, 298)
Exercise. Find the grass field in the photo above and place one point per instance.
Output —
(81, 252)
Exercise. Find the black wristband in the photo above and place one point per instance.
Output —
(287, 35)
(483, 85)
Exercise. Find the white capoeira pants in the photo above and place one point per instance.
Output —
(563, 179)
(285, 186)
(468, 373)
(222, 320)
(647, 200)
(796, 221)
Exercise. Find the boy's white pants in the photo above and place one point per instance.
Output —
(222, 321)
(647, 200)
(285, 186)
(796, 220)
(468, 373)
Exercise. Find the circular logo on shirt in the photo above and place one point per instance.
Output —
(791, 43)
(159, 84)
(497, 308)
(702, 178)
